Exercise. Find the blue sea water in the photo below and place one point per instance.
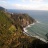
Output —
(38, 29)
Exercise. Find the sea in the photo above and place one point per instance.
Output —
(38, 29)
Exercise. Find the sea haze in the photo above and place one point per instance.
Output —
(41, 27)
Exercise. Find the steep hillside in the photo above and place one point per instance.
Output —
(11, 35)
(11, 31)
(5, 24)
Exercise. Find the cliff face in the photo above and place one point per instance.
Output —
(22, 19)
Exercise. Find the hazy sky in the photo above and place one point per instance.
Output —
(25, 4)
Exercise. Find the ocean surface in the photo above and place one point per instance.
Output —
(39, 29)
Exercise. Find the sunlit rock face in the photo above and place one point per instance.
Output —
(23, 19)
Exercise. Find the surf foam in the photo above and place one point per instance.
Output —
(38, 22)
(40, 38)
(26, 32)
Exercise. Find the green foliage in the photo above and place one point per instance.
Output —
(5, 24)
(11, 30)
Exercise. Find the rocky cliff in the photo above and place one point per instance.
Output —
(22, 19)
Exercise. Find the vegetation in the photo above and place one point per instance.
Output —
(11, 31)
(11, 34)
(2, 9)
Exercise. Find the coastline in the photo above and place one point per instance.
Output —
(26, 32)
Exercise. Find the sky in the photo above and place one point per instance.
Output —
(25, 4)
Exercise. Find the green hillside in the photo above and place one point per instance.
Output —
(11, 34)
(7, 30)
(5, 23)
(11, 30)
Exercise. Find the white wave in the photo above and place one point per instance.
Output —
(29, 26)
(25, 30)
(38, 22)
(33, 24)
(40, 38)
